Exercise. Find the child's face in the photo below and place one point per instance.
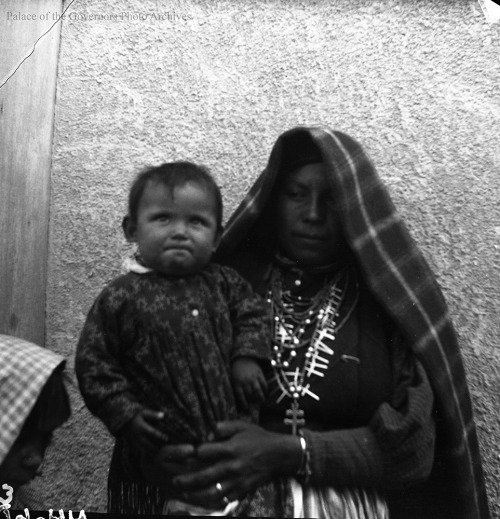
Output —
(176, 230)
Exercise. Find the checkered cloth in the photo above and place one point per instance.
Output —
(24, 370)
(397, 274)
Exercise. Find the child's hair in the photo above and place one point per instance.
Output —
(172, 175)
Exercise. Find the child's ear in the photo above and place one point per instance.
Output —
(129, 229)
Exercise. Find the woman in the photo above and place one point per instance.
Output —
(33, 403)
(368, 411)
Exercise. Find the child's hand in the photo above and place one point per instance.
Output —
(141, 431)
(249, 382)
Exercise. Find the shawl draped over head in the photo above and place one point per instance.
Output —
(26, 372)
(395, 272)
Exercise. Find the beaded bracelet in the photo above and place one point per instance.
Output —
(304, 472)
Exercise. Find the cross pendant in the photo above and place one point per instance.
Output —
(295, 417)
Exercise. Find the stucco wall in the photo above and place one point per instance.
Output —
(216, 82)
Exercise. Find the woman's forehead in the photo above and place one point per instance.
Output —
(309, 175)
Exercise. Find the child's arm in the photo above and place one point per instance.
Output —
(105, 388)
(250, 319)
(252, 339)
(248, 381)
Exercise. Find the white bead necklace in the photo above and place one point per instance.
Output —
(292, 316)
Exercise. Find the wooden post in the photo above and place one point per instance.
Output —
(27, 103)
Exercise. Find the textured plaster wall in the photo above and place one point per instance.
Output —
(216, 82)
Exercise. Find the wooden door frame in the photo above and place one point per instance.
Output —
(27, 105)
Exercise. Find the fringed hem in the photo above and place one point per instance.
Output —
(130, 497)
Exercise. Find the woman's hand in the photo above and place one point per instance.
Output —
(161, 466)
(242, 457)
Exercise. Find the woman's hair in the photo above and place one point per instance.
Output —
(298, 151)
(172, 175)
(51, 408)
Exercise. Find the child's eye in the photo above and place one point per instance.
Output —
(198, 221)
(163, 218)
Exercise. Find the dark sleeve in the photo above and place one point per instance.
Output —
(104, 386)
(249, 318)
(395, 449)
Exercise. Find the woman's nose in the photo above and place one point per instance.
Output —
(314, 211)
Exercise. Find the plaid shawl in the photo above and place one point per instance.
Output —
(24, 370)
(397, 274)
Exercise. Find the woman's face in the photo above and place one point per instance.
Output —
(307, 225)
(23, 461)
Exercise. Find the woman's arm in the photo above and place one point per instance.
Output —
(395, 449)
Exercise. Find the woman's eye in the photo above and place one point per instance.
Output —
(295, 194)
(330, 201)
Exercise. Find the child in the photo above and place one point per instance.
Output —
(165, 344)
